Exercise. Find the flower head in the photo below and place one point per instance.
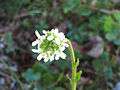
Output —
(50, 45)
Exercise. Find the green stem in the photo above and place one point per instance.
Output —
(74, 68)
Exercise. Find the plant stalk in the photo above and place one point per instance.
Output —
(74, 68)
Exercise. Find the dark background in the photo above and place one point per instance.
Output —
(93, 26)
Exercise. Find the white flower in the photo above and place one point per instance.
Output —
(57, 41)
(50, 45)
(35, 42)
(50, 38)
(37, 34)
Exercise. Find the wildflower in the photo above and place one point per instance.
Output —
(50, 45)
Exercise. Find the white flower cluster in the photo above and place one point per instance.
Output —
(50, 45)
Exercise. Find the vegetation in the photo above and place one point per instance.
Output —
(93, 26)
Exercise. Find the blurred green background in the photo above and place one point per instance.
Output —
(93, 26)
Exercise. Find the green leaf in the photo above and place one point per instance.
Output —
(104, 56)
(9, 42)
(117, 42)
(70, 5)
(84, 10)
(110, 36)
(40, 68)
(108, 24)
(29, 75)
(113, 36)
(78, 75)
(117, 16)
(34, 12)
(108, 72)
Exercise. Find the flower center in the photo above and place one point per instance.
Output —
(47, 45)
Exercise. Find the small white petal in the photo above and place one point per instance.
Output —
(35, 42)
(42, 38)
(35, 50)
(44, 32)
(63, 55)
(46, 59)
(57, 57)
(52, 58)
(57, 41)
(50, 38)
(56, 30)
(52, 31)
(66, 45)
(39, 57)
(37, 34)
(62, 48)
(62, 36)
